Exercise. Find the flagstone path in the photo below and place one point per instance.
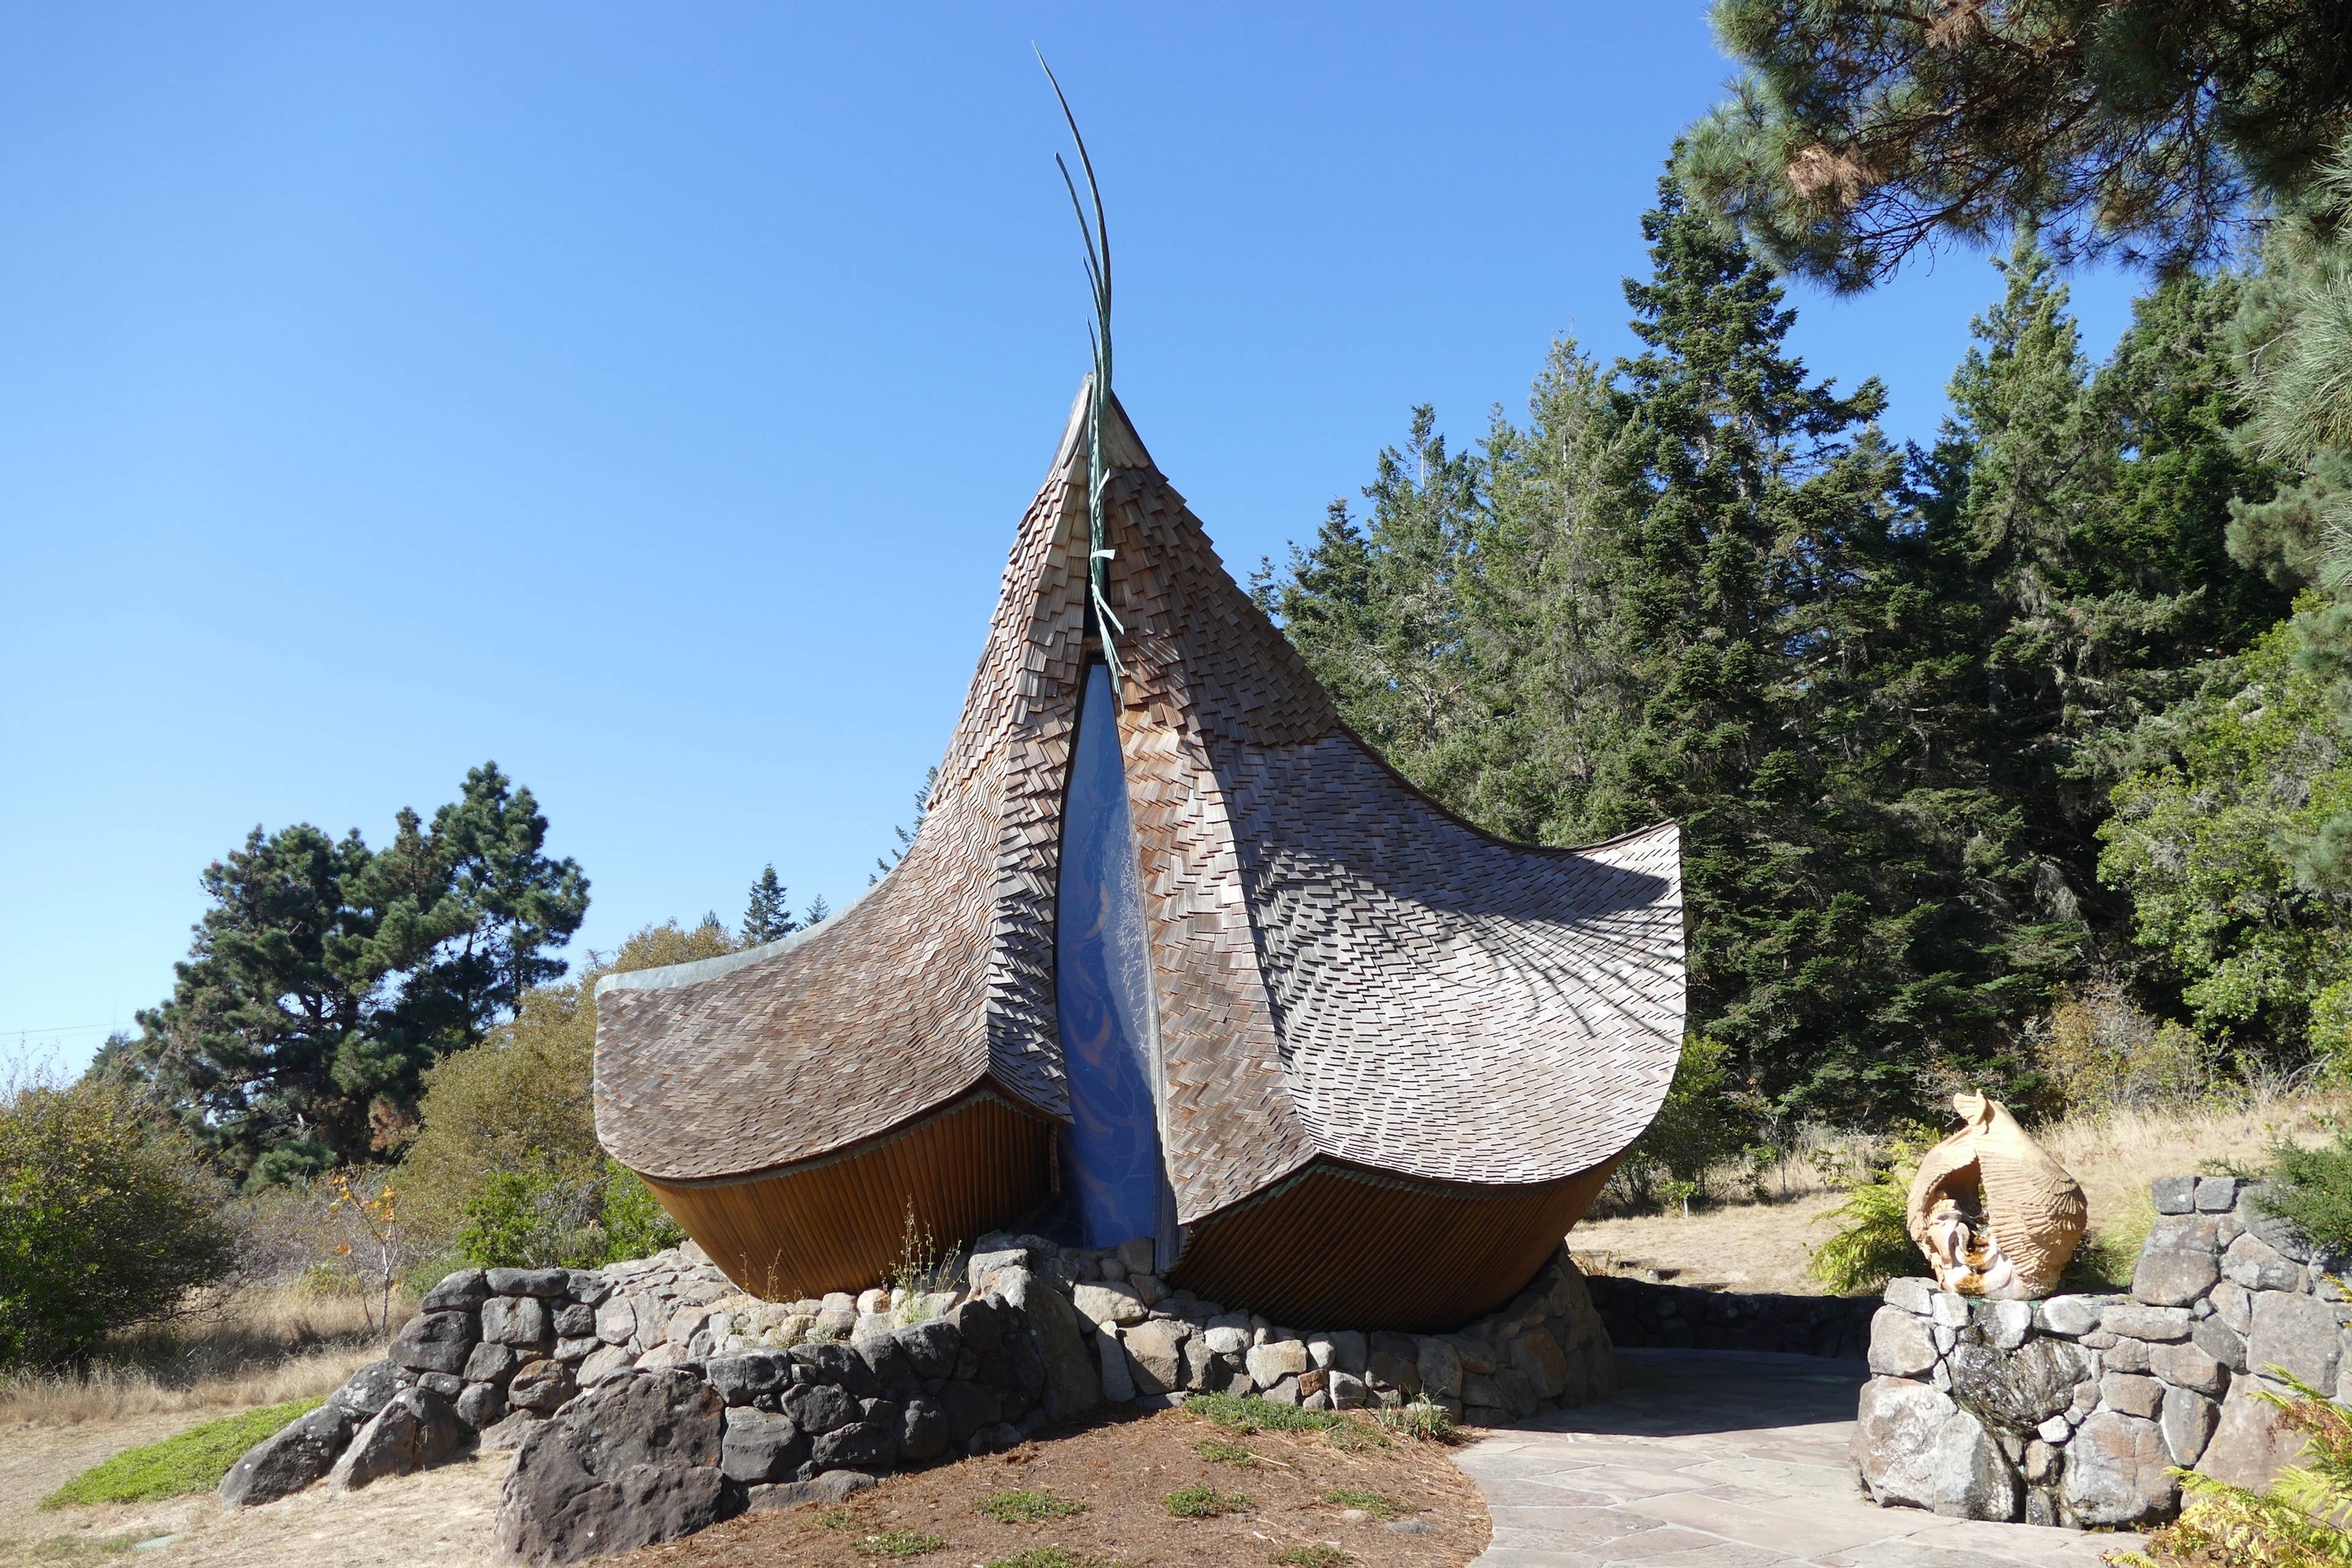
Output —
(1724, 1459)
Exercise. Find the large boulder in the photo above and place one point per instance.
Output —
(1072, 1368)
(290, 1458)
(2117, 1470)
(1914, 1447)
(436, 1342)
(370, 1389)
(2252, 1443)
(417, 1427)
(631, 1463)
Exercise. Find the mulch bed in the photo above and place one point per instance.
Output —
(1123, 1470)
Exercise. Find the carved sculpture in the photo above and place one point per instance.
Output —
(1994, 1215)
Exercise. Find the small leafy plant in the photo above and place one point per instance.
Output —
(1420, 1420)
(1380, 1505)
(1222, 1451)
(1025, 1508)
(1874, 1245)
(1204, 1502)
(1314, 1554)
(1051, 1557)
(900, 1543)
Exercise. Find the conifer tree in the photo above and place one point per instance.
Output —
(769, 915)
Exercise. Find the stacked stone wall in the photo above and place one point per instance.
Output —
(1642, 1315)
(651, 1398)
(2074, 1410)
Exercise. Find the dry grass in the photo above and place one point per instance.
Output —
(1764, 1246)
(251, 1347)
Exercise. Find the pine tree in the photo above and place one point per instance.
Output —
(904, 835)
(817, 912)
(769, 916)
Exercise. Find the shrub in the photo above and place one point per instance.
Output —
(1204, 1502)
(2297, 1523)
(1873, 1244)
(1703, 1122)
(193, 1461)
(107, 1219)
(1420, 1419)
(2311, 1188)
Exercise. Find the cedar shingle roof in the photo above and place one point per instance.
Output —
(1341, 968)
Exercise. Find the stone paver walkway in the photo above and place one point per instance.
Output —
(1722, 1459)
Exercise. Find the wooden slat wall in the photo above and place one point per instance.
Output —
(1339, 1247)
(837, 1223)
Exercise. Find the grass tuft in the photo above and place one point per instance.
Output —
(837, 1519)
(1317, 1554)
(1204, 1502)
(1052, 1557)
(900, 1543)
(193, 1461)
(1420, 1420)
(1222, 1451)
(1380, 1505)
(1025, 1508)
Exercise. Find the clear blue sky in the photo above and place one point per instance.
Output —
(644, 397)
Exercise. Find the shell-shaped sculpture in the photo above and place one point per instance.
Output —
(1994, 1215)
(1174, 957)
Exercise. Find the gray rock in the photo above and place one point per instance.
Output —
(2115, 1470)
(529, 1282)
(542, 1388)
(968, 1407)
(860, 1446)
(370, 1389)
(418, 1428)
(831, 1488)
(575, 1321)
(449, 1386)
(1351, 1352)
(635, 1462)
(2251, 1444)
(978, 1325)
(482, 1405)
(1135, 1252)
(2252, 1261)
(609, 1362)
(2216, 1339)
(507, 1436)
(519, 1320)
(459, 1292)
(1900, 1344)
(984, 1264)
(838, 1365)
(1155, 1355)
(2004, 1324)
(2189, 1366)
(2070, 1315)
(2174, 1195)
(2186, 1233)
(923, 1430)
(1536, 1356)
(1393, 1372)
(1072, 1368)
(436, 1342)
(589, 1287)
(2186, 1424)
(930, 1348)
(743, 1377)
(1440, 1366)
(1110, 1363)
(2130, 1320)
(1347, 1391)
(2126, 1355)
(2296, 1333)
(616, 1321)
(1276, 1359)
(1947, 1309)
(2131, 1393)
(2216, 1194)
(290, 1458)
(491, 1362)
(2169, 1278)
(818, 1407)
(1914, 1447)
(1914, 1295)
(995, 1439)
(1113, 1302)
(1150, 1286)
(757, 1446)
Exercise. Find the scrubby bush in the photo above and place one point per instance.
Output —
(2312, 1188)
(1874, 1243)
(507, 1170)
(108, 1219)
(1705, 1122)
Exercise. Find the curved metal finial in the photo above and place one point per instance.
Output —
(1096, 236)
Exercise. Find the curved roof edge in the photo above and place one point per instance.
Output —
(661, 977)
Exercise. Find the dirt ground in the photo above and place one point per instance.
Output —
(1123, 1471)
(440, 1519)
(1743, 1247)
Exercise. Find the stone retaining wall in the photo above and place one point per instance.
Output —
(2073, 1410)
(1640, 1314)
(648, 1399)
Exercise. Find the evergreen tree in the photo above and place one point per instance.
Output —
(906, 836)
(817, 912)
(327, 978)
(769, 916)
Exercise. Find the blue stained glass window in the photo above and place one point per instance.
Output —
(1102, 979)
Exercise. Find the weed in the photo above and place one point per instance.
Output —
(1052, 1557)
(1318, 1554)
(1420, 1420)
(835, 1519)
(1355, 1435)
(1025, 1508)
(74, 1548)
(1204, 1502)
(1253, 1415)
(923, 1270)
(1380, 1505)
(193, 1461)
(900, 1543)
(1219, 1450)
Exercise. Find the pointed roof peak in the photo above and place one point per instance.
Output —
(1122, 448)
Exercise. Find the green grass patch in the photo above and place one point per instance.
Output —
(1224, 1451)
(1380, 1505)
(1204, 1502)
(1025, 1508)
(1317, 1554)
(1052, 1557)
(900, 1543)
(835, 1519)
(71, 1549)
(195, 1461)
(1343, 1429)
